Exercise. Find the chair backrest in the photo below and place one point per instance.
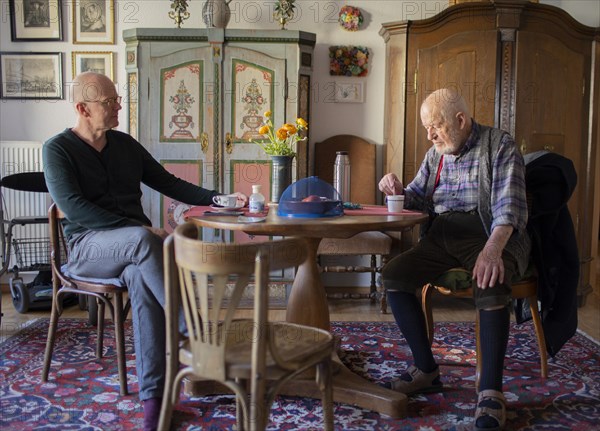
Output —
(209, 279)
(58, 247)
(363, 165)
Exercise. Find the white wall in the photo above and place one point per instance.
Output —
(38, 120)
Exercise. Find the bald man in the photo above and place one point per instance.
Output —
(472, 183)
(94, 175)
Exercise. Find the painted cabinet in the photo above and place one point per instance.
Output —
(196, 100)
(524, 67)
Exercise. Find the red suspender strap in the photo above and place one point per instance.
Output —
(439, 172)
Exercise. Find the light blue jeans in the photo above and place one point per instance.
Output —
(135, 256)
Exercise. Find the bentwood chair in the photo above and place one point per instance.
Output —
(100, 290)
(457, 282)
(253, 357)
(363, 191)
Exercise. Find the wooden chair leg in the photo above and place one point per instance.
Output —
(478, 351)
(539, 333)
(324, 381)
(120, 341)
(54, 315)
(383, 296)
(100, 327)
(426, 306)
(373, 286)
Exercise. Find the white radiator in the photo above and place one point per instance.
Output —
(17, 157)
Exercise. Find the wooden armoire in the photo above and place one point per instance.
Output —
(527, 68)
(196, 99)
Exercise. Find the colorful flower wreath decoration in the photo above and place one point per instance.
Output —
(350, 18)
(348, 60)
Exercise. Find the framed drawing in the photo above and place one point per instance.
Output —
(349, 92)
(31, 75)
(94, 21)
(94, 61)
(35, 20)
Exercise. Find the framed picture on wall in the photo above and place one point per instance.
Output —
(35, 20)
(94, 61)
(349, 92)
(94, 21)
(31, 75)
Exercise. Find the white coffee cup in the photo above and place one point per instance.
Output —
(395, 203)
(227, 201)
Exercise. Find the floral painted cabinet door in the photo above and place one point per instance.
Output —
(253, 83)
(182, 109)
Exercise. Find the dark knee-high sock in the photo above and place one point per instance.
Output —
(493, 333)
(411, 321)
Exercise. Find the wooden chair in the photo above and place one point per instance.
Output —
(101, 290)
(252, 357)
(457, 283)
(363, 189)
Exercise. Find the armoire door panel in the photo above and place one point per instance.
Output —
(549, 116)
(254, 83)
(181, 108)
(462, 62)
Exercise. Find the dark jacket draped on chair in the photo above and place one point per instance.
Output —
(551, 179)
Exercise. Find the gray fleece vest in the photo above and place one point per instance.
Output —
(519, 244)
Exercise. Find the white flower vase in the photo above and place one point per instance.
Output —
(216, 13)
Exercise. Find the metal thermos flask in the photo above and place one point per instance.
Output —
(341, 175)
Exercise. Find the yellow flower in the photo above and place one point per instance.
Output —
(282, 134)
(280, 142)
(290, 128)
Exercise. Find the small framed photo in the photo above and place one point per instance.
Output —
(35, 20)
(93, 61)
(31, 75)
(94, 21)
(349, 92)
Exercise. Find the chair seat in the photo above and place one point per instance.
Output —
(360, 244)
(457, 282)
(290, 346)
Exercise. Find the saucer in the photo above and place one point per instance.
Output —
(219, 208)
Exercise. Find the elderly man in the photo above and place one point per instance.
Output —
(94, 175)
(472, 182)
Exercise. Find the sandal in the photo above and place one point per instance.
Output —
(490, 414)
(414, 381)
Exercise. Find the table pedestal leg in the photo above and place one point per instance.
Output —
(350, 388)
(307, 305)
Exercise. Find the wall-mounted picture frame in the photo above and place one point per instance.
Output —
(349, 92)
(93, 61)
(94, 21)
(35, 20)
(31, 75)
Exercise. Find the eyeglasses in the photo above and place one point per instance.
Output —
(433, 127)
(108, 102)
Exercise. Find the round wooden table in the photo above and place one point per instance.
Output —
(307, 303)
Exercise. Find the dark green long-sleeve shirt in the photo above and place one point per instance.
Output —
(101, 190)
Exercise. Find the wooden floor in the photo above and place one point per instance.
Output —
(445, 309)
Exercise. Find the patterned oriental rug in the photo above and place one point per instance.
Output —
(83, 393)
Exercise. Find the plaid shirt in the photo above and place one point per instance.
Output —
(458, 186)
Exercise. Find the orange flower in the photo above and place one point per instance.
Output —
(280, 142)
